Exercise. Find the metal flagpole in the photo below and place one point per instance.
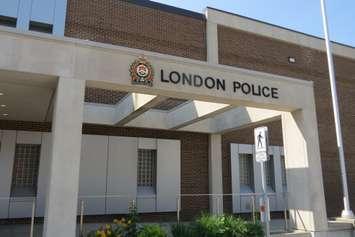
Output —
(346, 213)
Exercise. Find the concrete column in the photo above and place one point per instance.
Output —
(215, 173)
(212, 42)
(7, 157)
(24, 14)
(304, 173)
(63, 180)
(278, 178)
(59, 17)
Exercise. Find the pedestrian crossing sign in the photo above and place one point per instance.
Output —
(261, 144)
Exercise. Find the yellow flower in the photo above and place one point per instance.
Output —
(100, 233)
(123, 219)
(108, 226)
(108, 232)
(115, 221)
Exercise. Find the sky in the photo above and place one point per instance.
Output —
(299, 15)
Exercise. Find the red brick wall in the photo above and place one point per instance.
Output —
(246, 50)
(103, 96)
(25, 126)
(127, 24)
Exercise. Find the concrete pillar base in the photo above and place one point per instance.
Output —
(348, 214)
(63, 179)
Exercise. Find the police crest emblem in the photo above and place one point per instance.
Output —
(142, 72)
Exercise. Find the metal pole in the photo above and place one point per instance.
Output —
(346, 213)
(82, 218)
(285, 212)
(265, 199)
(214, 207)
(178, 209)
(219, 205)
(253, 208)
(33, 217)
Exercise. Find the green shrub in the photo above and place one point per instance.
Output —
(182, 230)
(254, 230)
(226, 226)
(210, 226)
(234, 226)
(152, 231)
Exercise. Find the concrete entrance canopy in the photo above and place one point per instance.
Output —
(89, 61)
(76, 63)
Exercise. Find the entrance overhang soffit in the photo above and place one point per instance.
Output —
(234, 119)
(136, 110)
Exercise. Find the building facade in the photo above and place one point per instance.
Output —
(216, 76)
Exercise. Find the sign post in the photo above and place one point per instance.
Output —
(261, 156)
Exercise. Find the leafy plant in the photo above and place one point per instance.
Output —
(254, 230)
(234, 226)
(210, 226)
(120, 228)
(132, 219)
(182, 230)
(152, 231)
(204, 226)
(226, 226)
(107, 231)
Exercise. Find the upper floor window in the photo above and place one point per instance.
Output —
(41, 27)
(25, 170)
(8, 21)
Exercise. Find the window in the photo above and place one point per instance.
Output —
(283, 170)
(147, 166)
(269, 172)
(41, 27)
(246, 172)
(25, 171)
(8, 21)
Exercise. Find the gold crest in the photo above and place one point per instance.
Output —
(142, 72)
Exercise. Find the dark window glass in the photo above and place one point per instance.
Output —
(25, 171)
(41, 27)
(8, 21)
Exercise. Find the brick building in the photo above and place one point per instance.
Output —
(129, 130)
